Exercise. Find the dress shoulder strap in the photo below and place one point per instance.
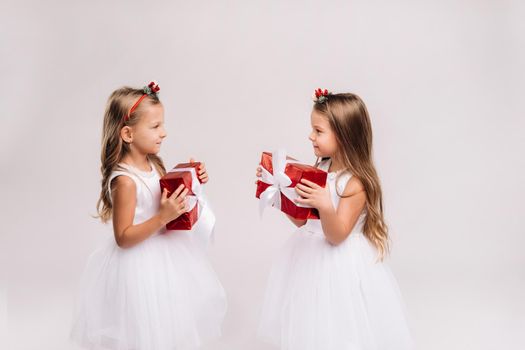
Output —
(343, 178)
(324, 164)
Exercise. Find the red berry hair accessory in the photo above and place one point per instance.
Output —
(149, 90)
(321, 95)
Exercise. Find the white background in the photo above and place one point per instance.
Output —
(444, 84)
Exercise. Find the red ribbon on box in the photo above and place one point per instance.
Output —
(280, 175)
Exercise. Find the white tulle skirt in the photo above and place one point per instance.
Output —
(161, 294)
(325, 297)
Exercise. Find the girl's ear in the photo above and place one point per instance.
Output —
(126, 133)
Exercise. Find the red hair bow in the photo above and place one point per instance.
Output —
(153, 88)
(321, 95)
(320, 92)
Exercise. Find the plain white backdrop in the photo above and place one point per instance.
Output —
(444, 84)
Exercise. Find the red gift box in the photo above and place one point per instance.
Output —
(195, 165)
(171, 181)
(296, 172)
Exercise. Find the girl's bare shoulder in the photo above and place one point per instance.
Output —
(123, 182)
(354, 186)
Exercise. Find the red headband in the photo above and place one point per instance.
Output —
(151, 89)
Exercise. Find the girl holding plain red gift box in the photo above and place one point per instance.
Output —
(330, 289)
(148, 288)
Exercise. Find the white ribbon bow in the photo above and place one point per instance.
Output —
(279, 182)
(202, 230)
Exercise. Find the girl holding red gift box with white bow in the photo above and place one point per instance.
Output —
(330, 289)
(148, 288)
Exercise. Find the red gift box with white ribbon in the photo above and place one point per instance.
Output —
(199, 220)
(276, 188)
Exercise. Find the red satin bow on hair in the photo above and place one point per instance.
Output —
(319, 92)
(154, 87)
(321, 95)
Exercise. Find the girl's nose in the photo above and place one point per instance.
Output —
(311, 136)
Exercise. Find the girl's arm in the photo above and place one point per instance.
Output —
(338, 224)
(124, 203)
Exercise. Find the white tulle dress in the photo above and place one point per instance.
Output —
(161, 294)
(325, 297)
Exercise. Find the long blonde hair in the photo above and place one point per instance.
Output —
(113, 147)
(348, 118)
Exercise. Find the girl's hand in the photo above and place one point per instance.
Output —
(313, 195)
(258, 173)
(174, 206)
(202, 174)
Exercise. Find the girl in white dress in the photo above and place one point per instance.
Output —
(148, 288)
(330, 289)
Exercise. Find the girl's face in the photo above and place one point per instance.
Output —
(322, 137)
(149, 132)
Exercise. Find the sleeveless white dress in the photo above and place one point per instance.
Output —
(325, 297)
(161, 294)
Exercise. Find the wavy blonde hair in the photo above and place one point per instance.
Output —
(113, 147)
(348, 118)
